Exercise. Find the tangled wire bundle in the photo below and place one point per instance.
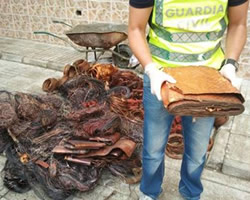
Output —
(61, 141)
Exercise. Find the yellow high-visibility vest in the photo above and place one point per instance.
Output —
(184, 32)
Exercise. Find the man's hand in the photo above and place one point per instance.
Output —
(229, 72)
(157, 78)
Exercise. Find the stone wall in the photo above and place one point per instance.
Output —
(20, 18)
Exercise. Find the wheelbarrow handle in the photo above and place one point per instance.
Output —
(67, 41)
(118, 54)
(61, 22)
(51, 34)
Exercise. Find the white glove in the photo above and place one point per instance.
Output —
(157, 78)
(229, 72)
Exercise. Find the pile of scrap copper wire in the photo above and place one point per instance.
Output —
(59, 142)
(88, 121)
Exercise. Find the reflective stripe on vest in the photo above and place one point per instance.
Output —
(176, 24)
(180, 57)
(187, 37)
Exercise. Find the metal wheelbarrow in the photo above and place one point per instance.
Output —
(99, 37)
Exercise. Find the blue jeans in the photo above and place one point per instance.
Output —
(157, 125)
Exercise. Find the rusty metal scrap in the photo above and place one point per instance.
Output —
(42, 164)
(84, 161)
(107, 139)
(63, 150)
(127, 147)
(50, 134)
(80, 144)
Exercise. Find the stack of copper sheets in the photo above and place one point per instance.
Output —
(201, 91)
(96, 149)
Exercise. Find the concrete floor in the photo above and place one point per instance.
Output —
(227, 172)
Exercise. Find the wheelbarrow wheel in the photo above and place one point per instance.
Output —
(124, 51)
